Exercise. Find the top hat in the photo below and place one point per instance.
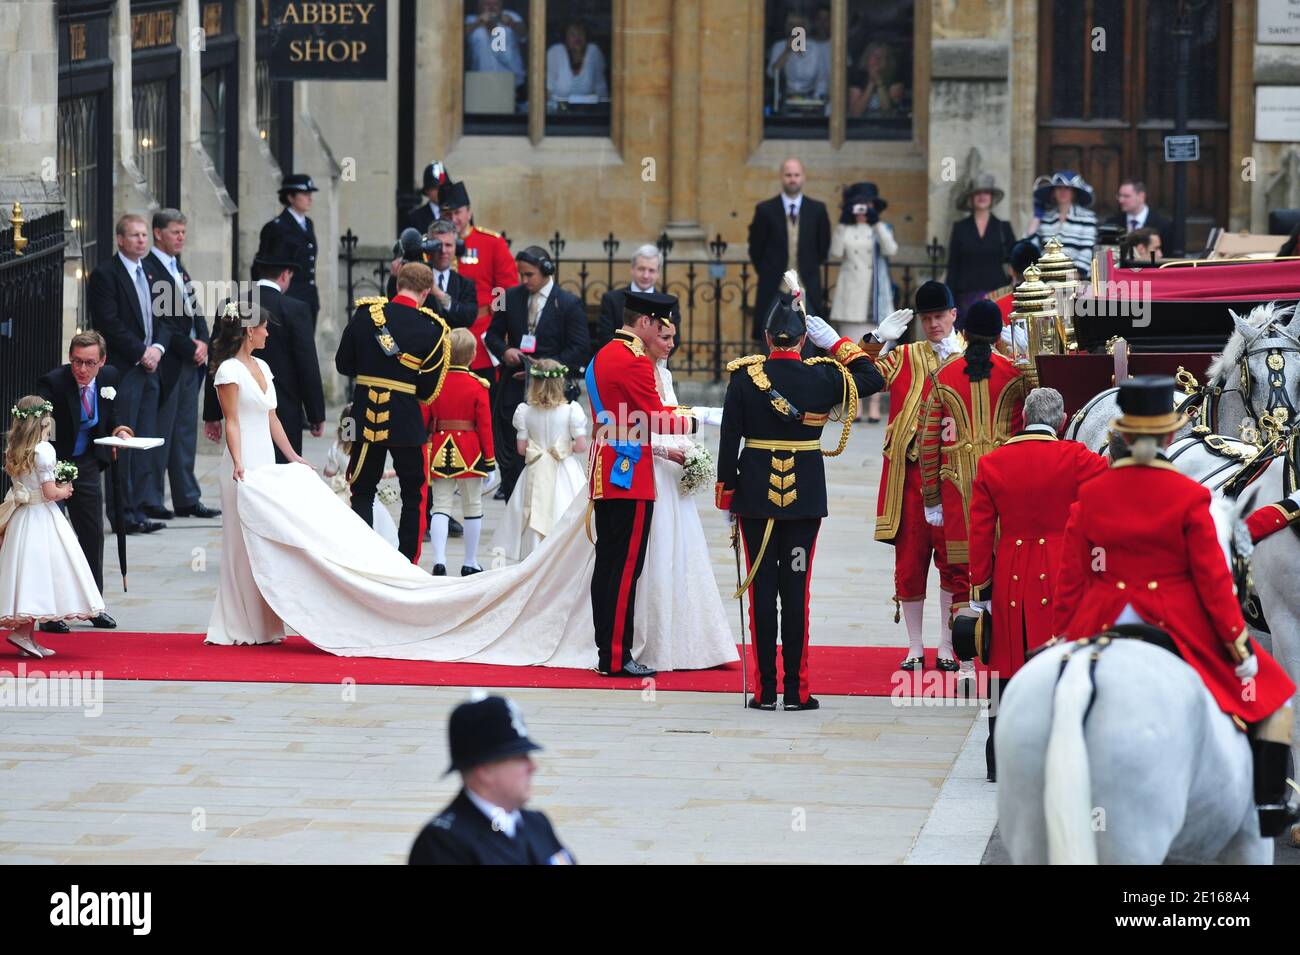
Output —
(1024, 254)
(984, 318)
(984, 182)
(1147, 403)
(784, 321)
(486, 730)
(654, 304)
(933, 296)
(1082, 191)
(453, 195)
(298, 182)
(435, 174)
(276, 250)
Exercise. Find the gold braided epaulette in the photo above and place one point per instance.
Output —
(481, 380)
(495, 235)
(371, 300)
(738, 363)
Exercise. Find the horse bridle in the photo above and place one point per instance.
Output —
(1277, 347)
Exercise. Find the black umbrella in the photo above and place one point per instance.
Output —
(118, 525)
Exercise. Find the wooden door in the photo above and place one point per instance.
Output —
(1107, 100)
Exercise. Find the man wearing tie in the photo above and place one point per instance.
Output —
(1134, 213)
(788, 231)
(454, 297)
(647, 263)
(121, 310)
(182, 372)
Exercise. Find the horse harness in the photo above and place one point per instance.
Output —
(1095, 645)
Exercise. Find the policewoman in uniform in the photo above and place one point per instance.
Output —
(487, 824)
(1164, 568)
(776, 486)
(626, 408)
(293, 227)
(399, 353)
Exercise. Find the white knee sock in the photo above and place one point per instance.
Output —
(473, 528)
(438, 525)
(945, 627)
(913, 614)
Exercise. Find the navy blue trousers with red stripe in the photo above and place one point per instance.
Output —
(622, 532)
(784, 575)
(412, 467)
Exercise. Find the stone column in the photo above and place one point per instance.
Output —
(130, 192)
(683, 138)
(259, 173)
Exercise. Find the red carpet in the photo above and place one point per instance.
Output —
(836, 671)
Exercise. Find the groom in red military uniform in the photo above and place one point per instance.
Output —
(626, 407)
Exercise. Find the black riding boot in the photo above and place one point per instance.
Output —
(1274, 795)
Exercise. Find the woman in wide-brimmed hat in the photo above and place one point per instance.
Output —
(863, 291)
(1066, 199)
(978, 246)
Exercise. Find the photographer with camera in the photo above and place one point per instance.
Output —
(540, 320)
(453, 297)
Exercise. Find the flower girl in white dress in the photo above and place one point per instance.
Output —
(43, 572)
(549, 431)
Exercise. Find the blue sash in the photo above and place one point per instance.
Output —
(626, 454)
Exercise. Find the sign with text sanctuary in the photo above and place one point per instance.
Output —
(329, 40)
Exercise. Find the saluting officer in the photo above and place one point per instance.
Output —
(776, 486)
(292, 226)
(487, 824)
(399, 353)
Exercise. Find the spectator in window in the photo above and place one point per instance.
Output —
(875, 91)
(1134, 213)
(504, 56)
(978, 246)
(1066, 198)
(802, 62)
(575, 68)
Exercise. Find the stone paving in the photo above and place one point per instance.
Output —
(265, 772)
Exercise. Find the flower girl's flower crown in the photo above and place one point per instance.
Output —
(39, 411)
(559, 372)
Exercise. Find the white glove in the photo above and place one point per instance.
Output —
(1248, 668)
(711, 416)
(982, 606)
(966, 670)
(895, 323)
(821, 334)
(934, 515)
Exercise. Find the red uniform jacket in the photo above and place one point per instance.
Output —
(1270, 519)
(961, 422)
(1020, 502)
(1143, 535)
(625, 381)
(487, 260)
(460, 427)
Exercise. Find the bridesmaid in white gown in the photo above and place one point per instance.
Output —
(246, 390)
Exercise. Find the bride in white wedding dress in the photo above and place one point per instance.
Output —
(315, 566)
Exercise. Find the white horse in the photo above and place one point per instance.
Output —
(1125, 759)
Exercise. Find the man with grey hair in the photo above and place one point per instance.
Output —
(181, 372)
(647, 264)
(1020, 502)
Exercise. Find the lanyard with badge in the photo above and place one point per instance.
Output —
(528, 342)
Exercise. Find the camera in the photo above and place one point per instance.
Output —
(413, 247)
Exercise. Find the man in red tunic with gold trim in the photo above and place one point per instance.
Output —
(626, 407)
(1141, 548)
(1019, 504)
(973, 404)
(900, 512)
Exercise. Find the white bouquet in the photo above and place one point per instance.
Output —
(698, 472)
(388, 494)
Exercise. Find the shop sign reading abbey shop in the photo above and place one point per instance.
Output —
(329, 40)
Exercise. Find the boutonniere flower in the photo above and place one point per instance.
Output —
(110, 393)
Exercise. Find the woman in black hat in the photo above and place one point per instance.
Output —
(978, 246)
(1066, 198)
(863, 291)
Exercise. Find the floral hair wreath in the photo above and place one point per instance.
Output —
(559, 372)
(231, 312)
(39, 411)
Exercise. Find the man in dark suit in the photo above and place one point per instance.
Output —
(290, 350)
(85, 396)
(422, 217)
(453, 296)
(182, 372)
(540, 320)
(487, 824)
(294, 230)
(789, 231)
(121, 309)
(1134, 213)
(647, 262)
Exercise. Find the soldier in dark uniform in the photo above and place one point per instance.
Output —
(421, 217)
(487, 824)
(398, 352)
(776, 486)
(293, 226)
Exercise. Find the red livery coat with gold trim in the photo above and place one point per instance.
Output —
(488, 262)
(461, 453)
(1142, 535)
(1270, 519)
(961, 422)
(625, 381)
(1020, 503)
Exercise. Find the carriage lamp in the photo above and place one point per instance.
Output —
(1033, 321)
(1059, 274)
(17, 221)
